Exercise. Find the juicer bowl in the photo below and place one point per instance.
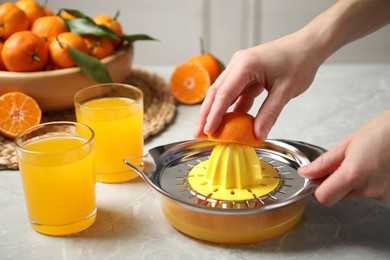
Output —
(166, 167)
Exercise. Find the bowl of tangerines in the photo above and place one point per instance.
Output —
(50, 56)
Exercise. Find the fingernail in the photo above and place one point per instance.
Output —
(262, 134)
(304, 170)
(207, 129)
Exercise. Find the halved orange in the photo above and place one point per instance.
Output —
(189, 83)
(18, 112)
(236, 127)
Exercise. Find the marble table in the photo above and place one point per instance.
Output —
(130, 224)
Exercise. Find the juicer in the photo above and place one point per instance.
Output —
(234, 209)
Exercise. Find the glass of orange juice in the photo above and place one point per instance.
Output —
(115, 112)
(57, 171)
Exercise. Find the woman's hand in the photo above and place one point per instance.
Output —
(359, 165)
(285, 68)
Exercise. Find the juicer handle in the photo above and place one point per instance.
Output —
(140, 164)
(310, 188)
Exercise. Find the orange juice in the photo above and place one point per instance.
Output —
(233, 229)
(117, 123)
(59, 183)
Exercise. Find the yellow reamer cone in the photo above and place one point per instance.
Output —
(233, 173)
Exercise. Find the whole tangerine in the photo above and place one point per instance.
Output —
(210, 63)
(59, 51)
(12, 19)
(48, 27)
(99, 47)
(112, 24)
(32, 9)
(25, 51)
(2, 66)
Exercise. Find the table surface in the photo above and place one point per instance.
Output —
(130, 224)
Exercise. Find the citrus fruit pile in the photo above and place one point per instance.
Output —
(190, 80)
(33, 38)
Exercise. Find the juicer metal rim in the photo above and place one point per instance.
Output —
(293, 153)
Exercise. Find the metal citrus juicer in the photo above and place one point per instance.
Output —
(227, 192)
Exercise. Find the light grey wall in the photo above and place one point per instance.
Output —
(225, 25)
(280, 17)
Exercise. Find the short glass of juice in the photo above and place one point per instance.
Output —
(115, 112)
(57, 170)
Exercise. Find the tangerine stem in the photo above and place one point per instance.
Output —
(59, 42)
(202, 51)
(36, 57)
(116, 15)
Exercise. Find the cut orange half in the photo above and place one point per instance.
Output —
(236, 127)
(189, 83)
(18, 112)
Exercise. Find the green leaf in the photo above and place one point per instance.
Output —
(137, 37)
(91, 66)
(75, 13)
(84, 26)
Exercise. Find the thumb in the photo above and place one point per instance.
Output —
(268, 114)
(326, 164)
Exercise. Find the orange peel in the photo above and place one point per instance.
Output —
(236, 127)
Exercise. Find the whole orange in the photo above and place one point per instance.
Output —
(47, 11)
(2, 66)
(12, 19)
(112, 24)
(99, 47)
(48, 27)
(59, 52)
(25, 51)
(32, 9)
(210, 63)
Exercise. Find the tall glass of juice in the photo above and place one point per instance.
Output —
(57, 170)
(115, 112)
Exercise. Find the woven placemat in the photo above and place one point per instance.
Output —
(159, 111)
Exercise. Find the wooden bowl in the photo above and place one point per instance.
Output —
(54, 90)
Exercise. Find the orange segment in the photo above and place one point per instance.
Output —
(18, 111)
(236, 127)
(189, 83)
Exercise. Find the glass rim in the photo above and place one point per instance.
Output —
(127, 86)
(38, 126)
